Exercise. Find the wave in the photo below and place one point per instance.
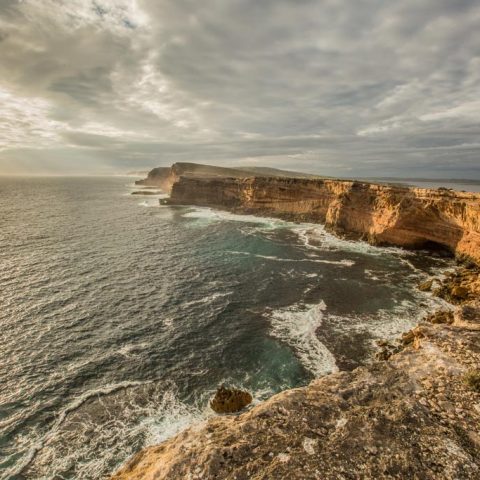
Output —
(389, 323)
(297, 326)
(153, 200)
(74, 405)
(344, 262)
(209, 214)
(315, 237)
(312, 236)
(119, 420)
(208, 299)
(175, 416)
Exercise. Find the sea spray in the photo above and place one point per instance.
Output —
(297, 326)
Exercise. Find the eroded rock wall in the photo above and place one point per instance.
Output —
(383, 214)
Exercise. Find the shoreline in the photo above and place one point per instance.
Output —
(409, 411)
(412, 218)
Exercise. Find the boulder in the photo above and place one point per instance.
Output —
(230, 400)
(460, 292)
(441, 316)
(426, 286)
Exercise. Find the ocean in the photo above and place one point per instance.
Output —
(120, 317)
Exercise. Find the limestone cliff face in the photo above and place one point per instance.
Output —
(383, 214)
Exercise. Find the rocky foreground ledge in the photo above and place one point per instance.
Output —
(415, 415)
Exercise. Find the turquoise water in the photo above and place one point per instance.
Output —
(120, 317)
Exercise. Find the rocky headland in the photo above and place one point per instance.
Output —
(413, 412)
(383, 214)
(380, 214)
(166, 177)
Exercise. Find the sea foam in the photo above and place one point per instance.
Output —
(343, 262)
(312, 236)
(123, 417)
(211, 215)
(297, 326)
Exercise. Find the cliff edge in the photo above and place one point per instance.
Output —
(380, 214)
(412, 413)
(166, 177)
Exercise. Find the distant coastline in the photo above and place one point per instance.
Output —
(460, 184)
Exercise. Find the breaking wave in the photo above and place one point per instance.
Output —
(344, 262)
(297, 326)
(208, 214)
(115, 422)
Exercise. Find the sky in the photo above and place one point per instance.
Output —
(334, 87)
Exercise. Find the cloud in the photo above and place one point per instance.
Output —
(336, 87)
(467, 111)
(25, 121)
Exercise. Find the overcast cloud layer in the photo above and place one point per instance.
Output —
(339, 87)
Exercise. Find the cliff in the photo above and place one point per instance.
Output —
(166, 177)
(381, 214)
(158, 177)
(414, 415)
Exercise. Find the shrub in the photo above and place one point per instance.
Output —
(472, 380)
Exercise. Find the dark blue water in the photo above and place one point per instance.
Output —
(119, 317)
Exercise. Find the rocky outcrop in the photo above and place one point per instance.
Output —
(230, 400)
(381, 214)
(461, 285)
(416, 415)
(166, 177)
